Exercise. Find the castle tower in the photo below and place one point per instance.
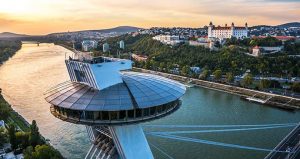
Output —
(110, 100)
(232, 29)
(210, 28)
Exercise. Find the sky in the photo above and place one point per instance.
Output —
(39, 17)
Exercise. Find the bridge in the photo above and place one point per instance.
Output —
(31, 42)
(290, 144)
(288, 148)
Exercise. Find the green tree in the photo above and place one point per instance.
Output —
(217, 74)
(4, 111)
(12, 136)
(263, 84)
(34, 136)
(296, 87)
(147, 65)
(204, 75)
(3, 136)
(28, 152)
(162, 66)
(229, 77)
(217, 44)
(22, 139)
(253, 42)
(247, 80)
(185, 70)
(42, 152)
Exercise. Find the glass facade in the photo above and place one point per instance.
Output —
(139, 97)
(114, 117)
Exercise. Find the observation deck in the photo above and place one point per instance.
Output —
(104, 93)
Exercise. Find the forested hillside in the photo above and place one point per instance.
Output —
(8, 49)
(228, 59)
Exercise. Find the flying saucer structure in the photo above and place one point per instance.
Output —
(111, 100)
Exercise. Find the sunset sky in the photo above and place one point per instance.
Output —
(47, 16)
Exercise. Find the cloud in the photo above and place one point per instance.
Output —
(96, 14)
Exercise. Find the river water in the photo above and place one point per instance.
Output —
(34, 69)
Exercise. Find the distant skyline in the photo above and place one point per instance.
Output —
(38, 17)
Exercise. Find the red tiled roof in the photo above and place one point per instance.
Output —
(240, 28)
(221, 28)
(228, 28)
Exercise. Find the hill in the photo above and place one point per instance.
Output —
(119, 29)
(11, 35)
(287, 25)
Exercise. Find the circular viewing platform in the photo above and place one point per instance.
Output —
(140, 97)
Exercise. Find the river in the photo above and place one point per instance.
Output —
(34, 69)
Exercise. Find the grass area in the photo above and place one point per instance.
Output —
(13, 117)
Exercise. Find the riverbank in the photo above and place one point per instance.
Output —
(8, 49)
(274, 100)
(12, 117)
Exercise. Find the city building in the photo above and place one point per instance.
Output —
(122, 44)
(139, 57)
(205, 42)
(105, 47)
(264, 50)
(256, 51)
(110, 100)
(196, 70)
(88, 45)
(227, 31)
(168, 39)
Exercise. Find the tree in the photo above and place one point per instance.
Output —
(217, 74)
(12, 136)
(296, 87)
(147, 65)
(247, 80)
(28, 152)
(253, 42)
(34, 137)
(42, 152)
(4, 111)
(217, 44)
(204, 75)
(3, 136)
(185, 70)
(229, 77)
(4, 106)
(263, 84)
(162, 66)
(22, 139)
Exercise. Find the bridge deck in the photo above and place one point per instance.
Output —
(290, 145)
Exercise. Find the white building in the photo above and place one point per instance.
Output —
(205, 42)
(264, 50)
(139, 57)
(87, 45)
(227, 31)
(122, 44)
(105, 47)
(168, 39)
(196, 70)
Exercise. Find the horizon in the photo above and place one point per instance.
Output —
(33, 17)
(127, 26)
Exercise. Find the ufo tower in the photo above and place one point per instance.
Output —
(110, 100)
